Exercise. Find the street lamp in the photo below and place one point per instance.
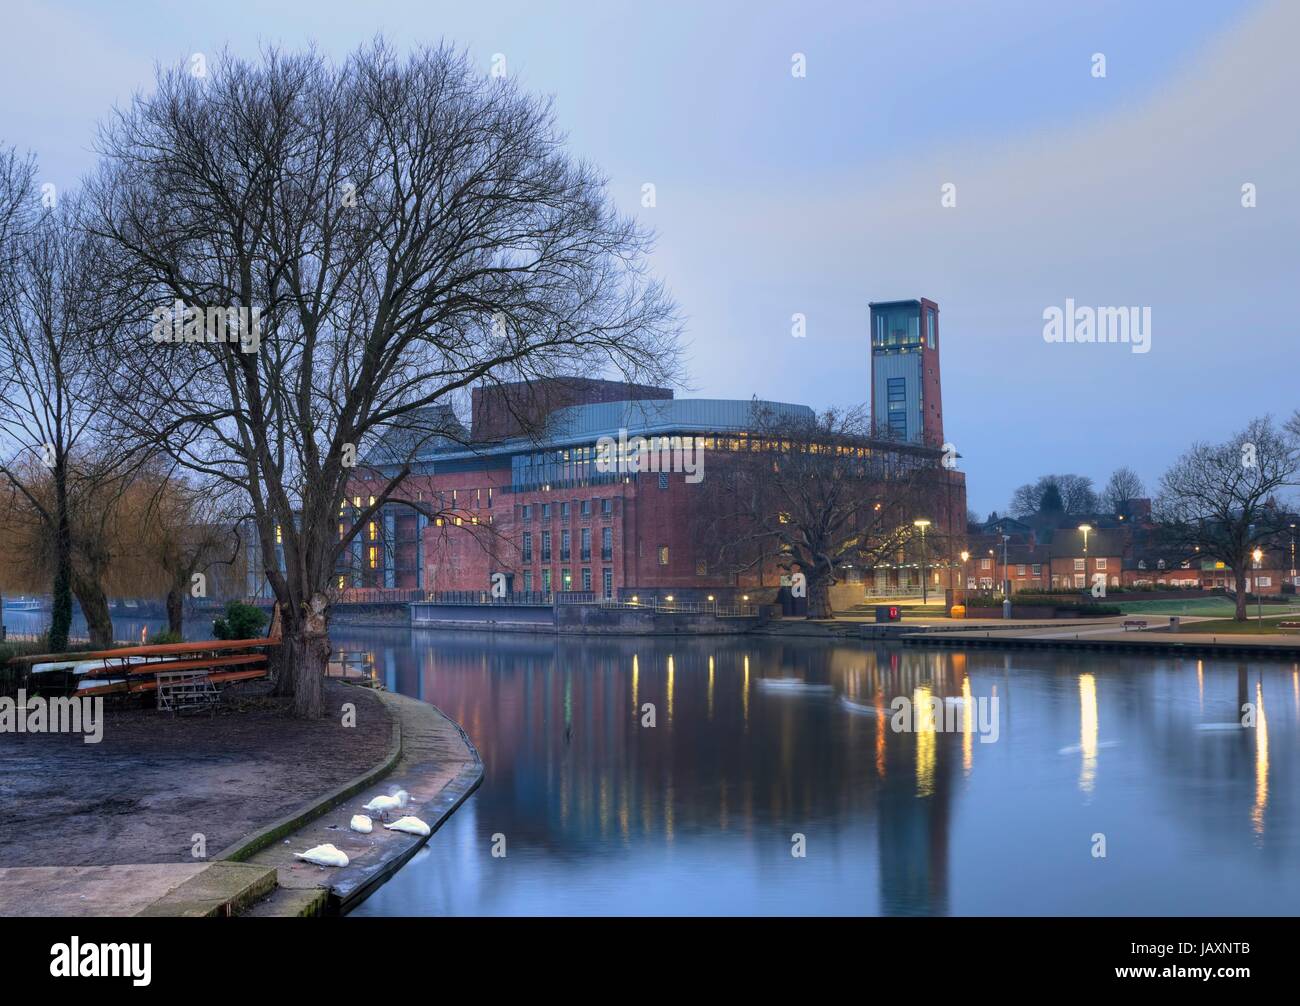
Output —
(925, 594)
(1258, 556)
(1085, 528)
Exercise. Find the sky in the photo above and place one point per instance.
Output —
(778, 194)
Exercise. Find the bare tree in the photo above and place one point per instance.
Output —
(1123, 487)
(1221, 498)
(189, 530)
(404, 229)
(1075, 493)
(50, 397)
(809, 493)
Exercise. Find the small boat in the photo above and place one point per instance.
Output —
(858, 707)
(23, 604)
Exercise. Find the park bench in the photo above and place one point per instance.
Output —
(1288, 625)
(1134, 623)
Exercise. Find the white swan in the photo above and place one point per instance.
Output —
(361, 823)
(381, 805)
(409, 825)
(324, 855)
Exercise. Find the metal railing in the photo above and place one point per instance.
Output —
(684, 607)
(532, 598)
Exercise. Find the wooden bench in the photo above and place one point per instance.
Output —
(1134, 623)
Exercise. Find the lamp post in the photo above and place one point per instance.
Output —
(1293, 554)
(965, 557)
(925, 594)
(1085, 528)
(1258, 556)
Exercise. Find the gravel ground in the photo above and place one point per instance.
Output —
(156, 781)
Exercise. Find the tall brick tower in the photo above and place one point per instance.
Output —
(906, 399)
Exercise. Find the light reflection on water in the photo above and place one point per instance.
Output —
(698, 814)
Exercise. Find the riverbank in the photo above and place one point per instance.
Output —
(175, 789)
(187, 816)
(438, 767)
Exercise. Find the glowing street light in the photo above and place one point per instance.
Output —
(922, 523)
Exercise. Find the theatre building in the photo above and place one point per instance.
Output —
(520, 500)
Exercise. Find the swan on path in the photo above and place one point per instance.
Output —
(323, 855)
(361, 823)
(409, 825)
(381, 805)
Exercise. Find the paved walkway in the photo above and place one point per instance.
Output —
(172, 889)
(439, 768)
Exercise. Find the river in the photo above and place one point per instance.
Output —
(1107, 786)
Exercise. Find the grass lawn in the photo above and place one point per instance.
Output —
(1204, 606)
(1254, 627)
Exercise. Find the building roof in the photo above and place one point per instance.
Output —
(579, 425)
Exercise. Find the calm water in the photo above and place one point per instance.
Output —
(696, 815)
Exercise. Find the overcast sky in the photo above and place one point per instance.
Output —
(815, 195)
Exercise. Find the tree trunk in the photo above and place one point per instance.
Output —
(176, 608)
(1240, 616)
(819, 599)
(94, 605)
(61, 616)
(303, 655)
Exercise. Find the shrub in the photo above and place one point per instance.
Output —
(165, 636)
(241, 621)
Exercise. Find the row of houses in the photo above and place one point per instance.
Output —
(1078, 552)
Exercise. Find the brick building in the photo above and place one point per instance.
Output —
(521, 494)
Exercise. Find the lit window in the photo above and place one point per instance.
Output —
(663, 555)
(374, 556)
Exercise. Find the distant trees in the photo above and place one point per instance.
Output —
(1122, 488)
(1069, 494)
(1221, 498)
(55, 465)
(811, 494)
(405, 229)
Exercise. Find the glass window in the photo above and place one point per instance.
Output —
(607, 578)
(586, 581)
(564, 545)
(607, 543)
(586, 544)
(546, 581)
(663, 555)
(546, 546)
(528, 546)
(606, 507)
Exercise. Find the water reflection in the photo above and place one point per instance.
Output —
(696, 814)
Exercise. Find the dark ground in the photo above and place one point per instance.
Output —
(156, 780)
